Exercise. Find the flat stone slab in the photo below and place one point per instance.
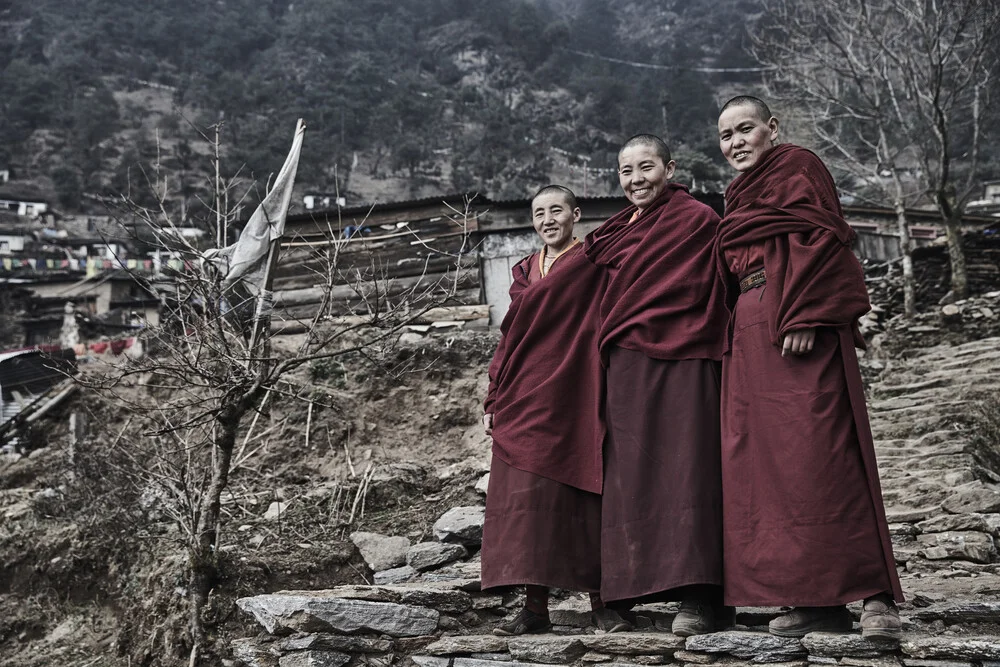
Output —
(962, 612)
(381, 552)
(437, 661)
(463, 525)
(323, 641)
(441, 598)
(465, 644)
(974, 497)
(884, 661)
(429, 555)
(634, 643)
(758, 647)
(948, 522)
(839, 645)
(396, 575)
(962, 544)
(547, 649)
(952, 648)
(316, 611)
(314, 659)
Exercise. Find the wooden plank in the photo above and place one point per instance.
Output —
(458, 314)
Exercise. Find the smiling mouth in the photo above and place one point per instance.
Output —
(739, 155)
(641, 192)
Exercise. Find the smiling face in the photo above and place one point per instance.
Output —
(744, 136)
(553, 218)
(643, 174)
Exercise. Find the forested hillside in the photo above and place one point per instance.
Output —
(402, 98)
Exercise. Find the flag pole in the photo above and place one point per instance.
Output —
(262, 309)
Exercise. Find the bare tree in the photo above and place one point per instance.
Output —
(209, 365)
(894, 91)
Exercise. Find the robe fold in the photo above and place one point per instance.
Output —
(543, 508)
(546, 381)
(662, 333)
(663, 298)
(803, 518)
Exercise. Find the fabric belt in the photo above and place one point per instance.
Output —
(751, 280)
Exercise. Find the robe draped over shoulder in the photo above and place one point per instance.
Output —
(546, 381)
(803, 518)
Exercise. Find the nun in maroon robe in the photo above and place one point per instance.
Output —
(804, 523)
(545, 401)
(662, 335)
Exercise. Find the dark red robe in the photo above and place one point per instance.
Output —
(546, 381)
(663, 324)
(543, 511)
(804, 522)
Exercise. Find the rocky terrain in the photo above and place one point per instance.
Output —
(359, 544)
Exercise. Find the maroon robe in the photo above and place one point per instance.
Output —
(804, 522)
(543, 511)
(546, 381)
(663, 324)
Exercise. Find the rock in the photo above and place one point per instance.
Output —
(381, 552)
(410, 338)
(552, 650)
(483, 484)
(967, 545)
(275, 510)
(442, 598)
(949, 522)
(910, 515)
(914, 662)
(903, 529)
(839, 645)
(250, 652)
(573, 618)
(694, 658)
(757, 646)
(473, 662)
(992, 523)
(965, 612)
(464, 644)
(323, 641)
(634, 643)
(884, 661)
(429, 555)
(314, 611)
(974, 497)
(950, 648)
(493, 601)
(396, 575)
(430, 661)
(461, 524)
(595, 656)
(314, 659)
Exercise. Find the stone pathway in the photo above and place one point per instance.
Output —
(943, 501)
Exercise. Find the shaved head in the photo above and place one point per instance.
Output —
(761, 110)
(566, 193)
(651, 140)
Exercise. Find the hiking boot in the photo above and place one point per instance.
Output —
(526, 622)
(880, 618)
(697, 617)
(612, 620)
(800, 621)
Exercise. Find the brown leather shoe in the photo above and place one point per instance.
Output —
(697, 617)
(800, 621)
(880, 618)
(526, 622)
